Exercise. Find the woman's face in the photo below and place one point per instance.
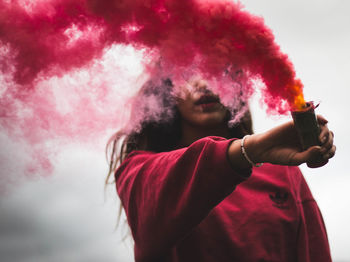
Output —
(198, 106)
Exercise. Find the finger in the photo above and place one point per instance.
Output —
(317, 164)
(328, 144)
(324, 134)
(330, 153)
(321, 120)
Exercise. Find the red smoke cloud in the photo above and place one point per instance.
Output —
(56, 36)
(46, 39)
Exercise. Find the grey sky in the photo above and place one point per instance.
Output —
(66, 217)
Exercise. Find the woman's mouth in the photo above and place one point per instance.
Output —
(208, 102)
(207, 99)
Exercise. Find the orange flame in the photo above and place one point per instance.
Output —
(298, 102)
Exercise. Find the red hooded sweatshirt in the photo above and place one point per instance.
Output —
(191, 205)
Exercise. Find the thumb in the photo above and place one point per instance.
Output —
(313, 158)
(313, 152)
(309, 155)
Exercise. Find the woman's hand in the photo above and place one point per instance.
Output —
(281, 146)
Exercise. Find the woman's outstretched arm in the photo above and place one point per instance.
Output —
(281, 146)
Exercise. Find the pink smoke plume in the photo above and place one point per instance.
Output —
(48, 40)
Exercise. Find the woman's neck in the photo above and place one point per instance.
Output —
(191, 133)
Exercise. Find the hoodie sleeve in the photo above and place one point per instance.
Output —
(165, 195)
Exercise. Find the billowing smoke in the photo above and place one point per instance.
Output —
(56, 82)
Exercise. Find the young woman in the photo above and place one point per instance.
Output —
(192, 188)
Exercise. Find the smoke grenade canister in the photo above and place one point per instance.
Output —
(307, 127)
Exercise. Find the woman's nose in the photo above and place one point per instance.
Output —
(201, 85)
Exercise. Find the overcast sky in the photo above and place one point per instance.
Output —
(68, 216)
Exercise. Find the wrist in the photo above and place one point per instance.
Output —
(253, 148)
(237, 160)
